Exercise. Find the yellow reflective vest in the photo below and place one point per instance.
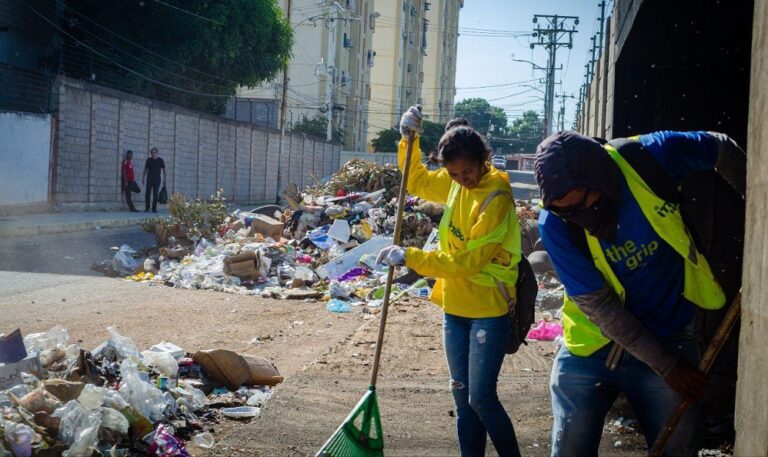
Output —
(581, 336)
(475, 247)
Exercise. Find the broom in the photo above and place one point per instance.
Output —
(354, 437)
(707, 360)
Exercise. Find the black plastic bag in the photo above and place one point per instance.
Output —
(135, 187)
(162, 198)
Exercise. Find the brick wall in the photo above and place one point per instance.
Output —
(202, 152)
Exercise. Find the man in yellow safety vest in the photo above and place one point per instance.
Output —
(633, 278)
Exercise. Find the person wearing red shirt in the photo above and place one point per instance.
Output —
(128, 180)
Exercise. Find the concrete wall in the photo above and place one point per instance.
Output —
(25, 151)
(752, 390)
(202, 152)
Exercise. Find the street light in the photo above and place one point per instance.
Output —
(535, 67)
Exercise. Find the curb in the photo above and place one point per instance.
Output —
(67, 227)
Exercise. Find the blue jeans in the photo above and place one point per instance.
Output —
(475, 350)
(583, 390)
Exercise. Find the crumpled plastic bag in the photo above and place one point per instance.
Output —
(123, 261)
(57, 336)
(79, 427)
(338, 306)
(92, 396)
(163, 362)
(114, 420)
(19, 437)
(145, 397)
(338, 289)
(545, 331)
(195, 396)
(125, 347)
(113, 399)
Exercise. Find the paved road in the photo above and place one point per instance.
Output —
(67, 253)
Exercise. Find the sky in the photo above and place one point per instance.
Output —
(487, 60)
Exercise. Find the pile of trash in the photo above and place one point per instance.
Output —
(59, 399)
(321, 246)
(361, 176)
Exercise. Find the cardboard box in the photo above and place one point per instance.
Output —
(266, 226)
(10, 374)
(244, 266)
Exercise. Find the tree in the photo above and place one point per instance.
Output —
(317, 127)
(176, 50)
(481, 115)
(525, 133)
(387, 140)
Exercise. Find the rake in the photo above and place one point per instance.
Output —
(360, 434)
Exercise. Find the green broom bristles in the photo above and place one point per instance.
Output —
(353, 438)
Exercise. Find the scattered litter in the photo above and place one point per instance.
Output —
(115, 400)
(241, 412)
(545, 331)
(203, 440)
(338, 306)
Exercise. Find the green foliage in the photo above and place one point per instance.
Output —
(387, 140)
(244, 43)
(481, 115)
(191, 219)
(317, 127)
(525, 133)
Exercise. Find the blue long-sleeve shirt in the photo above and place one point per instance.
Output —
(650, 270)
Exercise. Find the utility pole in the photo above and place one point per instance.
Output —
(331, 23)
(602, 25)
(554, 36)
(282, 114)
(561, 113)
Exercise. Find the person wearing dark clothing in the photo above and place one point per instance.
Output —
(152, 170)
(128, 177)
(633, 279)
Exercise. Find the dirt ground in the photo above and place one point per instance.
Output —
(324, 357)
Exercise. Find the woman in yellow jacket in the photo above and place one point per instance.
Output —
(473, 242)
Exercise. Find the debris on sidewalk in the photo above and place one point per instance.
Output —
(57, 398)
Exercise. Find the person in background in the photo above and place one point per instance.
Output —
(479, 252)
(633, 277)
(153, 167)
(128, 178)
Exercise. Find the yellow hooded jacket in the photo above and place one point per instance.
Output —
(454, 292)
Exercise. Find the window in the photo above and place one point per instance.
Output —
(371, 57)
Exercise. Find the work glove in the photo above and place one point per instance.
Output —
(687, 381)
(410, 121)
(392, 256)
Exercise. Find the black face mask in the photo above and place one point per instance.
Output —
(600, 219)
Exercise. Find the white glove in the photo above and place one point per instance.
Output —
(392, 256)
(410, 121)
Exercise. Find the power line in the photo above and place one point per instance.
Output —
(130, 70)
(189, 12)
(144, 48)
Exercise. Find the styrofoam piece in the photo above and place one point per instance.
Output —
(349, 259)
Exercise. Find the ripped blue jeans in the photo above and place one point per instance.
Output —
(475, 350)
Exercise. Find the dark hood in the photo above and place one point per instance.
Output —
(567, 160)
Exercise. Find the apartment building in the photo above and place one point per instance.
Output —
(439, 88)
(415, 50)
(329, 74)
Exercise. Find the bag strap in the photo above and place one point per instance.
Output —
(499, 284)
